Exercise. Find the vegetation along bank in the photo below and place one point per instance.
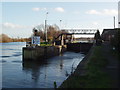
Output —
(90, 73)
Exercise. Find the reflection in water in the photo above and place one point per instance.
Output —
(61, 62)
(54, 69)
(34, 68)
(5, 56)
(32, 74)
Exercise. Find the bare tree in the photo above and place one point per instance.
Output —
(52, 31)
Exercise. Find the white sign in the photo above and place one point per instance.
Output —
(35, 40)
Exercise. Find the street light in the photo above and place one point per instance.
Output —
(60, 24)
(114, 21)
(46, 27)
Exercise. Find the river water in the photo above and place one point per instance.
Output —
(18, 74)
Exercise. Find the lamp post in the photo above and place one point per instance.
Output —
(46, 27)
(114, 21)
(60, 24)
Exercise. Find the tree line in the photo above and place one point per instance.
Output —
(52, 32)
(5, 38)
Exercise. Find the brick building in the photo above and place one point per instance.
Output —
(108, 34)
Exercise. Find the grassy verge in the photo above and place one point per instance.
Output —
(45, 44)
(95, 76)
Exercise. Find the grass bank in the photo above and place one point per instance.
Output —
(94, 76)
(45, 44)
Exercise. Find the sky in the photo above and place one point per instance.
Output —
(19, 18)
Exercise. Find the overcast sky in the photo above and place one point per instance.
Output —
(19, 18)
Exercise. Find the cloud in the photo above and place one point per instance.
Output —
(103, 12)
(44, 8)
(95, 23)
(110, 12)
(38, 9)
(59, 9)
(13, 26)
(93, 12)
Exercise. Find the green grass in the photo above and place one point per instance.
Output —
(45, 44)
(95, 77)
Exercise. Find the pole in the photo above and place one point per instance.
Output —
(60, 24)
(114, 22)
(46, 28)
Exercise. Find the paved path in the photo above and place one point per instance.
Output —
(113, 66)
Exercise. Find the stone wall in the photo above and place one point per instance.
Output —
(42, 52)
(79, 47)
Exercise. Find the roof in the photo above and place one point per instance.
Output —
(109, 31)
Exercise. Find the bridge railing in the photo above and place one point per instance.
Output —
(80, 31)
(71, 32)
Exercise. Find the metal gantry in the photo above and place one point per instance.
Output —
(81, 31)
